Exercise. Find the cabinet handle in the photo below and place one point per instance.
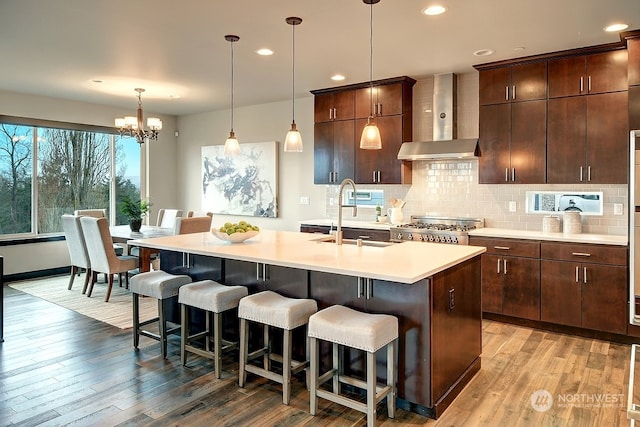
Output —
(257, 271)
(379, 109)
(373, 176)
(588, 173)
(506, 174)
(580, 173)
(581, 84)
(506, 93)
(505, 265)
(577, 274)
(580, 254)
(502, 248)
(584, 275)
(330, 113)
(589, 84)
(364, 237)
(335, 113)
(359, 287)
(378, 176)
(369, 288)
(513, 90)
(498, 270)
(452, 299)
(513, 174)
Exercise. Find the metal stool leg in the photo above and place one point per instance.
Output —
(136, 320)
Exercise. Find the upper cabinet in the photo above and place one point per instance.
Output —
(524, 82)
(556, 118)
(588, 74)
(337, 154)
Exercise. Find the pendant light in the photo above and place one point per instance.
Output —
(231, 146)
(293, 141)
(370, 139)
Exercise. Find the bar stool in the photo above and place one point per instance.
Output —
(368, 332)
(272, 309)
(161, 286)
(214, 299)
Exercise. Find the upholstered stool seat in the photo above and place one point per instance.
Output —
(161, 286)
(214, 299)
(363, 331)
(272, 309)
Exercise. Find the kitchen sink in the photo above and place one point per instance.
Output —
(356, 242)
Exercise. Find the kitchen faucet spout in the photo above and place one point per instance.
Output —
(343, 184)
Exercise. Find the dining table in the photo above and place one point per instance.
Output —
(124, 234)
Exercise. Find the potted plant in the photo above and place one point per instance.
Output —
(135, 210)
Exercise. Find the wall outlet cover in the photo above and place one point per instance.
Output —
(512, 206)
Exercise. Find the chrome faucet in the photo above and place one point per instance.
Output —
(340, 206)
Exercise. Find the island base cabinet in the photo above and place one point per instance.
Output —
(440, 330)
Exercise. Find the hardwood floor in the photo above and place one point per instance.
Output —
(61, 368)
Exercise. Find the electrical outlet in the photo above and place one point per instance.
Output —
(617, 208)
(512, 206)
(304, 200)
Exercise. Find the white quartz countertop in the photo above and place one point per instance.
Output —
(602, 239)
(346, 223)
(406, 262)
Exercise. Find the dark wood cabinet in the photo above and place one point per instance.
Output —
(337, 154)
(510, 277)
(349, 232)
(633, 51)
(334, 151)
(587, 139)
(588, 74)
(334, 106)
(513, 143)
(521, 82)
(584, 286)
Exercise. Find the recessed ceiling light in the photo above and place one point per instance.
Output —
(337, 77)
(615, 27)
(264, 52)
(174, 96)
(518, 48)
(484, 52)
(96, 81)
(434, 10)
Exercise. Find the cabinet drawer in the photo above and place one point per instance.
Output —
(601, 254)
(366, 233)
(511, 247)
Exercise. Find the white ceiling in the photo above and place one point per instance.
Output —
(177, 47)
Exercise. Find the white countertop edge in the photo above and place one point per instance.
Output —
(601, 239)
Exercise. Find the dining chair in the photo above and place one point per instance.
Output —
(101, 254)
(199, 213)
(77, 249)
(167, 217)
(94, 213)
(195, 224)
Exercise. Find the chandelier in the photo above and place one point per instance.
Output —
(131, 126)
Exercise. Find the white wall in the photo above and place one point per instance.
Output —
(161, 155)
(257, 123)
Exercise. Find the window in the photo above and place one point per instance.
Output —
(49, 171)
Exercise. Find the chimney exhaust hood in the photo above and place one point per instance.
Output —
(445, 145)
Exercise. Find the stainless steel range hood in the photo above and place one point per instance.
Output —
(445, 145)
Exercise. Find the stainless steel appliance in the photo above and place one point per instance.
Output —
(436, 229)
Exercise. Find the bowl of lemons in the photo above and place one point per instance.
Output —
(236, 232)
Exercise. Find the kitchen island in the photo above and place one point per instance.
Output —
(433, 289)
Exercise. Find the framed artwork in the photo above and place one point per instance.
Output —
(245, 184)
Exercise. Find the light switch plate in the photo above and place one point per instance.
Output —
(512, 206)
(617, 208)
(304, 200)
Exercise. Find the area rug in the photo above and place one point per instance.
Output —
(117, 312)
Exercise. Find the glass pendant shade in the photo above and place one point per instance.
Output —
(231, 145)
(293, 141)
(370, 139)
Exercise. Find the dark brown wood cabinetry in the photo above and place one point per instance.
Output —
(334, 106)
(588, 74)
(515, 83)
(513, 117)
(510, 277)
(584, 286)
(349, 232)
(337, 154)
(587, 139)
(559, 118)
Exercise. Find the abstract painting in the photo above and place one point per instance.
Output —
(245, 184)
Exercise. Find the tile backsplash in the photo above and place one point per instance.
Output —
(451, 188)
